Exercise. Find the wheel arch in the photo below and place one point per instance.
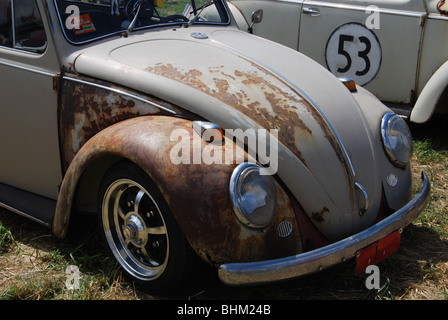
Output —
(123, 141)
(87, 187)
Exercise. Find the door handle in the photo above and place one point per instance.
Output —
(311, 11)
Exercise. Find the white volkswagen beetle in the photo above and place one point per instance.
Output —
(396, 49)
(188, 137)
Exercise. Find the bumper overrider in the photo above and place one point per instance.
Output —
(319, 259)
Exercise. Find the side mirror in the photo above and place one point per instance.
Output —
(256, 17)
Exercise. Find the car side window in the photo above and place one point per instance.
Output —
(5, 23)
(25, 31)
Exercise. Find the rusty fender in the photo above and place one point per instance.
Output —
(197, 194)
(88, 106)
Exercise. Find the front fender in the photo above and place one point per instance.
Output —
(430, 95)
(197, 194)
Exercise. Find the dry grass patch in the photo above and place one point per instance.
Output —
(34, 266)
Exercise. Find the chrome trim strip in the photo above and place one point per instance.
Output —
(24, 51)
(23, 214)
(27, 69)
(119, 92)
(335, 253)
(201, 126)
(13, 24)
(366, 198)
(327, 121)
(362, 8)
(435, 16)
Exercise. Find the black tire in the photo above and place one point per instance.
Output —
(140, 230)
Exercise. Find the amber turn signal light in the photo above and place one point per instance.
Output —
(349, 83)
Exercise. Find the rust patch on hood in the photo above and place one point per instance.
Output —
(262, 97)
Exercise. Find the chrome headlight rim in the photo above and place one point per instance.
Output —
(239, 173)
(387, 123)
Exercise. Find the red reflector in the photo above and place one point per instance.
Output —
(377, 251)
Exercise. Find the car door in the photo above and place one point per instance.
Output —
(29, 156)
(376, 42)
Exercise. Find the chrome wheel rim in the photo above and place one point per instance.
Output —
(135, 229)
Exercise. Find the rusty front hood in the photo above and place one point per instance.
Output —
(241, 81)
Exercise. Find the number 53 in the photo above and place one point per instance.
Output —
(343, 38)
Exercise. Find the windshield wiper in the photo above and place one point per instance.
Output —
(134, 20)
(196, 17)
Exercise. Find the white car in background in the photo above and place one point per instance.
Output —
(396, 49)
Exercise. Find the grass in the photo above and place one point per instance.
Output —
(37, 267)
(33, 263)
(428, 152)
(5, 238)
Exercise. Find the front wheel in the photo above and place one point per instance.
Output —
(140, 230)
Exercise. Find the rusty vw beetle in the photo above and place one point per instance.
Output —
(190, 138)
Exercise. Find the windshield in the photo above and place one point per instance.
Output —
(86, 20)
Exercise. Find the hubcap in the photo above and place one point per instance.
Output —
(135, 229)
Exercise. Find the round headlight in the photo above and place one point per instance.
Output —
(252, 195)
(397, 139)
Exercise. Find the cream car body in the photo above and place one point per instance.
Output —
(403, 47)
(87, 123)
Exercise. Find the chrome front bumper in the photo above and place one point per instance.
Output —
(319, 259)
